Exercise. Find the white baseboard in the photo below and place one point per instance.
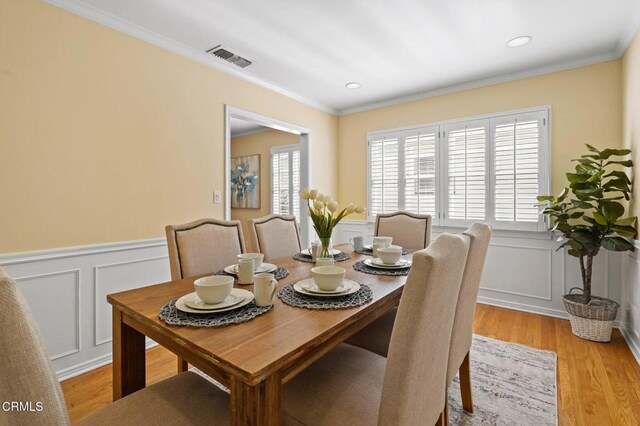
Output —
(633, 345)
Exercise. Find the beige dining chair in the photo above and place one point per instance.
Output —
(411, 231)
(376, 336)
(202, 247)
(351, 385)
(27, 376)
(275, 236)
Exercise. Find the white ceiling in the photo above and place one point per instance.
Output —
(240, 127)
(398, 48)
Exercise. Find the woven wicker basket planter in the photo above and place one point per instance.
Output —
(593, 321)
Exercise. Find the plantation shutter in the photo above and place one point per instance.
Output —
(420, 169)
(466, 172)
(285, 180)
(517, 171)
(384, 167)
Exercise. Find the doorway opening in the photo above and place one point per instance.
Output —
(266, 164)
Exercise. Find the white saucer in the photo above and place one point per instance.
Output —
(196, 303)
(245, 295)
(377, 263)
(265, 267)
(348, 287)
(332, 251)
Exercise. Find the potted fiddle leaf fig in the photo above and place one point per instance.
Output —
(588, 216)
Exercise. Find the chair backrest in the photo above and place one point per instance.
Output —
(203, 246)
(25, 369)
(479, 235)
(411, 231)
(276, 236)
(413, 391)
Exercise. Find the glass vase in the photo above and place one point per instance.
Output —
(324, 250)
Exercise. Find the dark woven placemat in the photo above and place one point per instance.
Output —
(369, 252)
(342, 256)
(278, 274)
(173, 316)
(360, 266)
(291, 297)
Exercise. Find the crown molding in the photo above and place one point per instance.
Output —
(533, 72)
(141, 33)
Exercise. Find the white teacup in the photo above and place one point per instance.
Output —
(328, 278)
(377, 246)
(256, 257)
(245, 271)
(325, 261)
(390, 255)
(385, 240)
(264, 289)
(214, 289)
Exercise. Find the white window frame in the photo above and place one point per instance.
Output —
(278, 150)
(439, 219)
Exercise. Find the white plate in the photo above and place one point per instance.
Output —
(332, 251)
(377, 263)
(349, 287)
(196, 303)
(247, 297)
(265, 267)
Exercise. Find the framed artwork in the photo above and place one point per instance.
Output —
(245, 182)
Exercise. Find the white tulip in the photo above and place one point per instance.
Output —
(320, 197)
(360, 209)
(332, 206)
(328, 199)
(318, 205)
(304, 193)
(313, 194)
(351, 208)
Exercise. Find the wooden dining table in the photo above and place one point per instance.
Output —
(253, 359)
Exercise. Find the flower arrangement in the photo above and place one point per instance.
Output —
(323, 211)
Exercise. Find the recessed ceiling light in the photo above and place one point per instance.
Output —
(519, 41)
(352, 85)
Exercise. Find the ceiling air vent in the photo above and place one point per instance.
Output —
(228, 56)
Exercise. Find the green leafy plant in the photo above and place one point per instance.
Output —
(588, 214)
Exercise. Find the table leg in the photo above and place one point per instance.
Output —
(128, 358)
(260, 404)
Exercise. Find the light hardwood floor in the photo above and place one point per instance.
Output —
(598, 383)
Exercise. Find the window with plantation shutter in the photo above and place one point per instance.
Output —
(466, 172)
(285, 180)
(518, 141)
(420, 171)
(488, 169)
(384, 166)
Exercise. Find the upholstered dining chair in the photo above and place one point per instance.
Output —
(202, 247)
(26, 375)
(411, 231)
(351, 385)
(275, 236)
(377, 335)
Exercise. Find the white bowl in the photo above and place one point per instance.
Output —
(214, 289)
(256, 257)
(328, 278)
(385, 240)
(390, 255)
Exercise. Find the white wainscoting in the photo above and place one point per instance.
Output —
(523, 271)
(66, 290)
(630, 307)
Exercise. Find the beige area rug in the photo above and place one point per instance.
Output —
(513, 385)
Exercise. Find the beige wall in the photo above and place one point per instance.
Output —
(104, 137)
(259, 143)
(586, 108)
(631, 111)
